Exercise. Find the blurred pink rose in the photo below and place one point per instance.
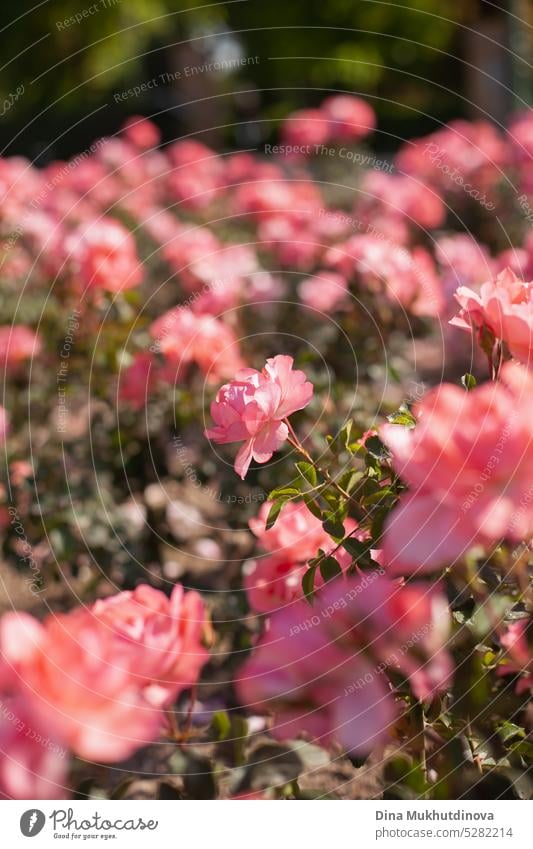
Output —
(33, 762)
(18, 343)
(273, 582)
(320, 669)
(518, 660)
(158, 638)
(297, 534)
(271, 194)
(276, 580)
(404, 195)
(292, 238)
(302, 673)
(407, 278)
(325, 291)
(469, 466)
(104, 256)
(183, 246)
(44, 236)
(136, 381)
(517, 259)
(407, 628)
(520, 137)
(306, 127)
(71, 673)
(462, 157)
(505, 307)
(141, 132)
(197, 177)
(184, 337)
(351, 118)
(221, 278)
(252, 407)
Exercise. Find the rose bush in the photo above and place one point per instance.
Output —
(350, 576)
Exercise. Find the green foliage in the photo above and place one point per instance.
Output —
(353, 45)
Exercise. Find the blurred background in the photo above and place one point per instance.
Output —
(77, 68)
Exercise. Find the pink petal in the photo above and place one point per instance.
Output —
(244, 458)
(422, 534)
(268, 440)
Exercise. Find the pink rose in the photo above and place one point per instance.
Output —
(297, 534)
(252, 409)
(136, 381)
(505, 307)
(469, 466)
(306, 127)
(302, 674)
(141, 132)
(183, 337)
(351, 118)
(320, 669)
(162, 636)
(406, 278)
(105, 256)
(33, 763)
(76, 682)
(292, 239)
(274, 581)
(405, 195)
(461, 157)
(18, 343)
(325, 291)
(517, 660)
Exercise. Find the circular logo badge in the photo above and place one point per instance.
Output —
(32, 822)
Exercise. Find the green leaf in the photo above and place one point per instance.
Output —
(378, 522)
(312, 506)
(469, 381)
(332, 497)
(403, 416)
(346, 432)
(220, 725)
(334, 529)
(308, 583)
(382, 493)
(371, 487)
(339, 514)
(274, 512)
(284, 492)
(509, 731)
(332, 444)
(376, 448)
(359, 550)
(356, 448)
(349, 480)
(329, 568)
(307, 471)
